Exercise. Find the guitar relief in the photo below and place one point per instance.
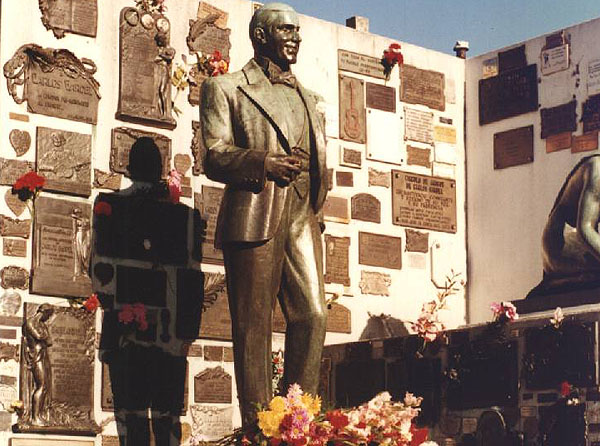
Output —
(352, 121)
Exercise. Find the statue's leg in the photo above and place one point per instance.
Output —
(39, 395)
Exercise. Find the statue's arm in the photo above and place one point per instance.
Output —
(589, 207)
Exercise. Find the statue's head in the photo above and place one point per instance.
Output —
(145, 162)
(275, 33)
(45, 310)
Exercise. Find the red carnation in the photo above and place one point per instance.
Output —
(418, 435)
(103, 208)
(31, 181)
(565, 388)
(337, 419)
(92, 303)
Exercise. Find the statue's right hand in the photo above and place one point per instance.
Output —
(282, 169)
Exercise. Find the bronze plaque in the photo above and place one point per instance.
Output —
(351, 158)
(213, 386)
(198, 150)
(122, 140)
(206, 10)
(381, 97)
(513, 147)
(7, 333)
(338, 319)
(15, 277)
(418, 157)
(216, 319)
(195, 351)
(585, 143)
(145, 68)
(344, 179)
(379, 178)
(64, 159)
(11, 170)
(511, 93)
(511, 59)
(61, 248)
(424, 202)
(366, 207)
(375, 283)
(557, 142)
(206, 37)
(214, 353)
(14, 203)
(352, 110)
(14, 247)
(418, 125)
(417, 241)
(182, 163)
(110, 440)
(336, 209)
(337, 264)
(559, 119)
(73, 16)
(208, 203)
(379, 250)
(107, 180)
(20, 140)
(360, 64)
(18, 117)
(422, 87)
(591, 114)
(10, 227)
(11, 321)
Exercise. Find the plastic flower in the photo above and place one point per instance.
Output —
(504, 311)
(103, 208)
(92, 303)
(30, 181)
(558, 318)
(391, 57)
(126, 314)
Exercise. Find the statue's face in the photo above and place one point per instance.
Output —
(282, 40)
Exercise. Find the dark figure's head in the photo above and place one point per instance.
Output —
(275, 33)
(145, 163)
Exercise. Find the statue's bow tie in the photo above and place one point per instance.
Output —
(285, 78)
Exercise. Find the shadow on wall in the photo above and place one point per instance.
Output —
(383, 326)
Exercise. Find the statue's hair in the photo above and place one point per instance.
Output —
(265, 16)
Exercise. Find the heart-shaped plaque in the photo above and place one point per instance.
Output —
(13, 203)
(182, 163)
(20, 140)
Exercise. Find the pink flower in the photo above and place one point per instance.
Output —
(126, 314)
(174, 184)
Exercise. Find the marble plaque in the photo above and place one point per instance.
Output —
(213, 385)
(513, 147)
(56, 83)
(416, 156)
(379, 250)
(214, 353)
(379, 178)
(145, 59)
(366, 207)
(591, 114)
(336, 209)
(511, 93)
(375, 283)
(337, 269)
(205, 10)
(381, 97)
(11, 170)
(424, 87)
(352, 110)
(360, 64)
(14, 277)
(206, 37)
(73, 16)
(14, 203)
(555, 59)
(559, 119)
(444, 134)
(418, 125)
(10, 227)
(211, 422)
(122, 140)
(20, 140)
(216, 319)
(585, 143)
(344, 179)
(417, 241)
(423, 202)
(61, 248)
(64, 159)
(208, 205)
(560, 141)
(198, 149)
(350, 157)
(107, 180)
(10, 302)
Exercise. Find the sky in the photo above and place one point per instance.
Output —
(437, 24)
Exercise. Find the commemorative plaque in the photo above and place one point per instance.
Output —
(73, 16)
(423, 202)
(337, 268)
(511, 93)
(211, 422)
(10, 227)
(14, 247)
(344, 179)
(339, 319)
(208, 204)
(418, 157)
(379, 250)
(198, 150)
(591, 114)
(8, 333)
(585, 143)
(490, 67)
(417, 241)
(557, 142)
(14, 277)
(10, 302)
(554, 59)
(366, 207)
(207, 10)
(206, 37)
(360, 64)
(122, 140)
(375, 283)
(54, 83)
(444, 134)
(182, 163)
(61, 248)
(213, 386)
(512, 59)
(64, 159)
(336, 209)
(418, 125)
(14, 203)
(379, 178)
(216, 319)
(352, 110)
(20, 140)
(559, 119)
(145, 68)
(11, 170)
(351, 158)
(381, 97)
(593, 77)
(107, 180)
(422, 87)
(513, 147)
(68, 370)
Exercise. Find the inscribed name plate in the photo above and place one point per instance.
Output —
(591, 114)
(557, 142)
(418, 125)
(122, 140)
(73, 16)
(216, 319)
(210, 202)
(56, 83)
(61, 249)
(360, 64)
(10, 227)
(424, 87)
(379, 250)
(379, 178)
(375, 283)
(213, 386)
(366, 207)
(417, 241)
(444, 134)
(511, 93)
(145, 68)
(416, 156)
(14, 277)
(559, 119)
(14, 247)
(585, 143)
(593, 77)
(344, 179)
(336, 209)
(64, 159)
(513, 147)
(352, 110)
(424, 202)
(11, 170)
(555, 59)
(350, 157)
(337, 262)
(211, 422)
(381, 97)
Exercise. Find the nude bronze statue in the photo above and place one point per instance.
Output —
(265, 141)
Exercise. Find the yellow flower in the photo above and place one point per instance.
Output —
(269, 422)
(277, 404)
(313, 405)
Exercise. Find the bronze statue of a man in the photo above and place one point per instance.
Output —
(265, 141)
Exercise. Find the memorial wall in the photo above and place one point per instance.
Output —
(85, 79)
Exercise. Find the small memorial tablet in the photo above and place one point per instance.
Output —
(337, 262)
(360, 64)
(424, 87)
(20, 140)
(14, 277)
(375, 283)
(513, 147)
(344, 179)
(416, 156)
(591, 114)
(14, 247)
(351, 158)
(213, 386)
(417, 241)
(379, 250)
(216, 319)
(198, 149)
(366, 207)
(418, 125)
(336, 209)
(210, 202)
(555, 59)
(10, 227)
(11, 170)
(512, 58)
(14, 203)
(444, 134)
(585, 143)
(379, 178)
(73, 16)
(381, 97)
(107, 180)
(122, 140)
(557, 142)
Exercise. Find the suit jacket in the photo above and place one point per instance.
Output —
(242, 121)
